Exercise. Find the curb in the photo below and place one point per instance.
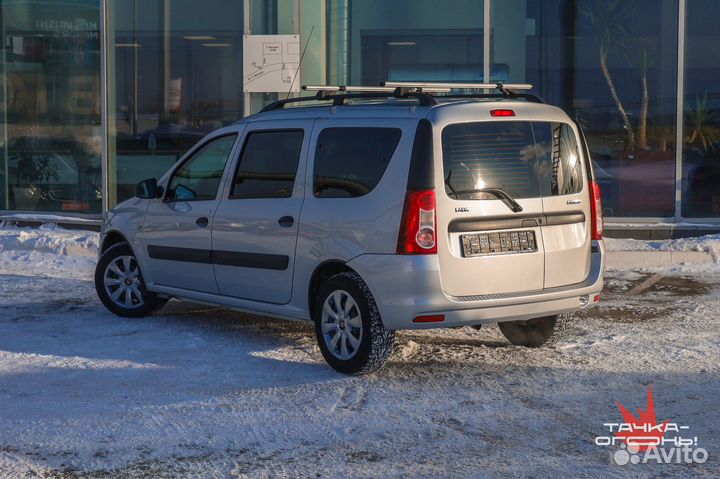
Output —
(653, 259)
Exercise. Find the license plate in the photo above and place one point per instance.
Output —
(499, 243)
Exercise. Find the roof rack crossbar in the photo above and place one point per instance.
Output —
(371, 89)
(421, 91)
(459, 86)
(340, 94)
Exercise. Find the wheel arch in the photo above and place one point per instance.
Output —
(112, 238)
(322, 272)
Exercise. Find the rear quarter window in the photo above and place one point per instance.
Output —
(350, 161)
(559, 159)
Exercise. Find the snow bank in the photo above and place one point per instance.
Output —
(49, 250)
(709, 244)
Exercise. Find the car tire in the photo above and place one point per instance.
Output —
(348, 327)
(534, 333)
(120, 286)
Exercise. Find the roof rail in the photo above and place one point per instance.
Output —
(421, 91)
(340, 93)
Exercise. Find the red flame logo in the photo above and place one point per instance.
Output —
(645, 431)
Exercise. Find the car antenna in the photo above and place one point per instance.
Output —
(300, 62)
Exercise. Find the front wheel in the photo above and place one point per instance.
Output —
(119, 284)
(537, 332)
(348, 326)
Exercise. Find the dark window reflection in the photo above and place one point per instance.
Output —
(50, 109)
(177, 75)
(612, 66)
(701, 147)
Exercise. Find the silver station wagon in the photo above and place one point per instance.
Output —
(369, 210)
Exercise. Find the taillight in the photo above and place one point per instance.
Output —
(596, 223)
(417, 229)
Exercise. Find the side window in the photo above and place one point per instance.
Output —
(560, 160)
(199, 177)
(268, 165)
(349, 162)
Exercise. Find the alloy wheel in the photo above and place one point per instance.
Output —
(341, 325)
(122, 282)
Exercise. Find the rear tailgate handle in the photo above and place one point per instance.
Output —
(555, 219)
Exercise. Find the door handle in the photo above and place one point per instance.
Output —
(201, 222)
(286, 221)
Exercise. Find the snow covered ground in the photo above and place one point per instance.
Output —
(206, 392)
(709, 244)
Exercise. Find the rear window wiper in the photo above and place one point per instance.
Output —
(496, 192)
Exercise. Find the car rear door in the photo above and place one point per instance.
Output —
(566, 203)
(255, 228)
(484, 247)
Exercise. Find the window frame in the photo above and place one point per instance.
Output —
(238, 161)
(313, 174)
(189, 157)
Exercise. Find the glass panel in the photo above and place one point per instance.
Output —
(559, 159)
(701, 145)
(268, 165)
(199, 177)
(50, 135)
(175, 74)
(350, 162)
(376, 40)
(612, 65)
(490, 155)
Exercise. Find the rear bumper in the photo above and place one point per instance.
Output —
(405, 287)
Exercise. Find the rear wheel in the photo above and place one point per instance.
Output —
(537, 332)
(348, 326)
(119, 284)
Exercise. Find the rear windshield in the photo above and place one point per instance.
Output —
(524, 159)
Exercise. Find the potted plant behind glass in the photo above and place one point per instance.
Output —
(701, 160)
(644, 174)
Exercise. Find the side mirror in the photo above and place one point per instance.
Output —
(148, 189)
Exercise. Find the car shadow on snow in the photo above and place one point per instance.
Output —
(57, 351)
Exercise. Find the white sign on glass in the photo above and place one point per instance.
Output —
(270, 63)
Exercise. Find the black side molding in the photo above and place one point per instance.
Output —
(421, 175)
(226, 258)
(503, 222)
(251, 260)
(188, 255)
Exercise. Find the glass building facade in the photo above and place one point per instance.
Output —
(96, 95)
